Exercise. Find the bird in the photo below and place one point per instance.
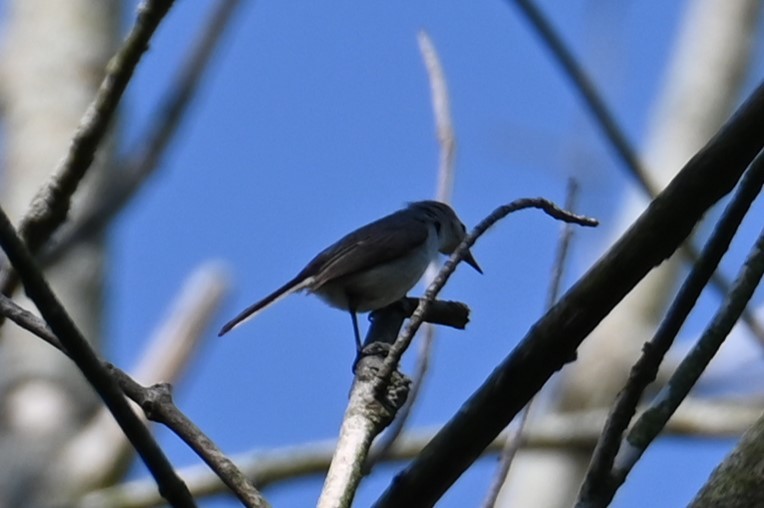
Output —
(375, 265)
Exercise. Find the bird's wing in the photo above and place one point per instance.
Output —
(381, 241)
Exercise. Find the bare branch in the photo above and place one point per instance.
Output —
(49, 208)
(149, 151)
(652, 421)
(100, 450)
(379, 389)
(553, 340)
(405, 338)
(366, 416)
(646, 368)
(156, 401)
(171, 487)
(441, 106)
(569, 430)
(515, 436)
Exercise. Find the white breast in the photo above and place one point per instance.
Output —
(384, 284)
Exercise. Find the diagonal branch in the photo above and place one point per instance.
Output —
(379, 389)
(138, 168)
(441, 107)
(156, 402)
(553, 340)
(605, 119)
(646, 368)
(171, 487)
(515, 435)
(654, 418)
(49, 208)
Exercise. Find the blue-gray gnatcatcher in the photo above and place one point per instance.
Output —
(376, 264)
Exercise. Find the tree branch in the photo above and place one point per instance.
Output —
(612, 131)
(553, 340)
(654, 418)
(515, 437)
(171, 487)
(646, 368)
(50, 206)
(156, 402)
(137, 169)
(569, 430)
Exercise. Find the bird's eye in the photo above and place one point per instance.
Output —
(437, 227)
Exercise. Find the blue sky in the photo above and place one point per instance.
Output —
(316, 119)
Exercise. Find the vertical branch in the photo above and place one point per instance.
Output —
(441, 106)
(515, 436)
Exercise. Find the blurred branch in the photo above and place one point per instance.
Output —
(194, 310)
(646, 368)
(99, 451)
(654, 418)
(553, 340)
(515, 436)
(50, 206)
(171, 112)
(441, 107)
(171, 487)
(605, 119)
(579, 430)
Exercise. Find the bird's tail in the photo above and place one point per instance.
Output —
(287, 289)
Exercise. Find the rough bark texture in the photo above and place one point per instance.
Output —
(54, 55)
(737, 482)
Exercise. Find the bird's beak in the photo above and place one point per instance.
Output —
(471, 261)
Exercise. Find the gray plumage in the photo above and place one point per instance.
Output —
(376, 264)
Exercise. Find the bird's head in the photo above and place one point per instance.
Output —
(450, 229)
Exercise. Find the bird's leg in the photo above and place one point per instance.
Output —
(356, 331)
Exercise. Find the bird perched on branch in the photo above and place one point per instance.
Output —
(376, 264)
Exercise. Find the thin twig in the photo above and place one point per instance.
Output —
(441, 107)
(156, 402)
(563, 249)
(379, 389)
(515, 436)
(591, 96)
(645, 370)
(146, 158)
(50, 206)
(405, 338)
(172, 488)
